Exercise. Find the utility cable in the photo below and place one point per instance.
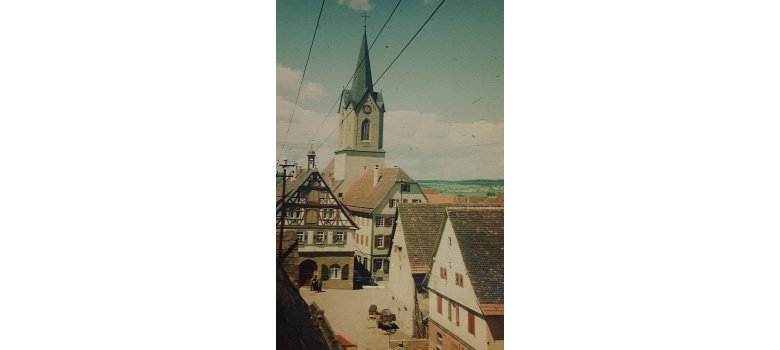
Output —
(284, 144)
(385, 71)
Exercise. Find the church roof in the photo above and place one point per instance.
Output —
(363, 196)
(362, 81)
(480, 234)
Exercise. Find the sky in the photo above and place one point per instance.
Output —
(444, 99)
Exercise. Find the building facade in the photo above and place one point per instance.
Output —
(466, 283)
(416, 231)
(323, 230)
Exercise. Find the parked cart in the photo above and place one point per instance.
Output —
(386, 321)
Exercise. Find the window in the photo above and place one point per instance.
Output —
(377, 264)
(390, 222)
(365, 130)
(443, 273)
(405, 187)
(339, 238)
(449, 311)
(416, 201)
(438, 340)
(438, 304)
(295, 213)
(457, 315)
(449, 241)
(380, 241)
(459, 280)
(328, 214)
(393, 203)
(301, 238)
(319, 238)
(380, 221)
(335, 272)
(471, 323)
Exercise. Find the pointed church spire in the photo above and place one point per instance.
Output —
(362, 81)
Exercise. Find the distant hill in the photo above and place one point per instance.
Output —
(478, 187)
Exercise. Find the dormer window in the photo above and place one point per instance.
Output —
(365, 130)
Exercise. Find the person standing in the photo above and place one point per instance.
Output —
(314, 284)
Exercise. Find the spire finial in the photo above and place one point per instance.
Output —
(365, 16)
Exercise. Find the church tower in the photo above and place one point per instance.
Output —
(361, 112)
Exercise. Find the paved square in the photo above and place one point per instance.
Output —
(347, 313)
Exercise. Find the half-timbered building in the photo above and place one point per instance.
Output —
(322, 228)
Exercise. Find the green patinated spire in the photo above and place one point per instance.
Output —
(362, 81)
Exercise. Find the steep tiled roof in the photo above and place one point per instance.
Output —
(441, 198)
(363, 196)
(295, 328)
(293, 184)
(480, 234)
(421, 224)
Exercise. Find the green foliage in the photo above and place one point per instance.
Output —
(477, 187)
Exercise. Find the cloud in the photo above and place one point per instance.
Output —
(428, 147)
(424, 144)
(302, 128)
(287, 81)
(361, 5)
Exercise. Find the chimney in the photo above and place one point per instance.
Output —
(376, 174)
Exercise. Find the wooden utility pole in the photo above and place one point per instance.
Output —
(284, 207)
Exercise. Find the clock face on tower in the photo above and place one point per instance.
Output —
(366, 109)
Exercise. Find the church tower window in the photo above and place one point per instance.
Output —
(365, 130)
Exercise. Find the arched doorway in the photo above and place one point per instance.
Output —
(306, 271)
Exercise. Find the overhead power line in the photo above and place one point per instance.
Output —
(284, 144)
(385, 71)
(351, 76)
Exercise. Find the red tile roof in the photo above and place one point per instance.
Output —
(363, 196)
(442, 198)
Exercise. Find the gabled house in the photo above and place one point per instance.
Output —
(322, 228)
(466, 282)
(372, 201)
(416, 231)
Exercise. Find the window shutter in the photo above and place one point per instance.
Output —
(311, 216)
(438, 304)
(345, 272)
(457, 315)
(471, 323)
(324, 273)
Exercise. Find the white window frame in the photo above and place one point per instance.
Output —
(380, 241)
(301, 235)
(334, 272)
(328, 214)
(339, 238)
(317, 239)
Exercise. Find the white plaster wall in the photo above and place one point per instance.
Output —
(450, 257)
(401, 284)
